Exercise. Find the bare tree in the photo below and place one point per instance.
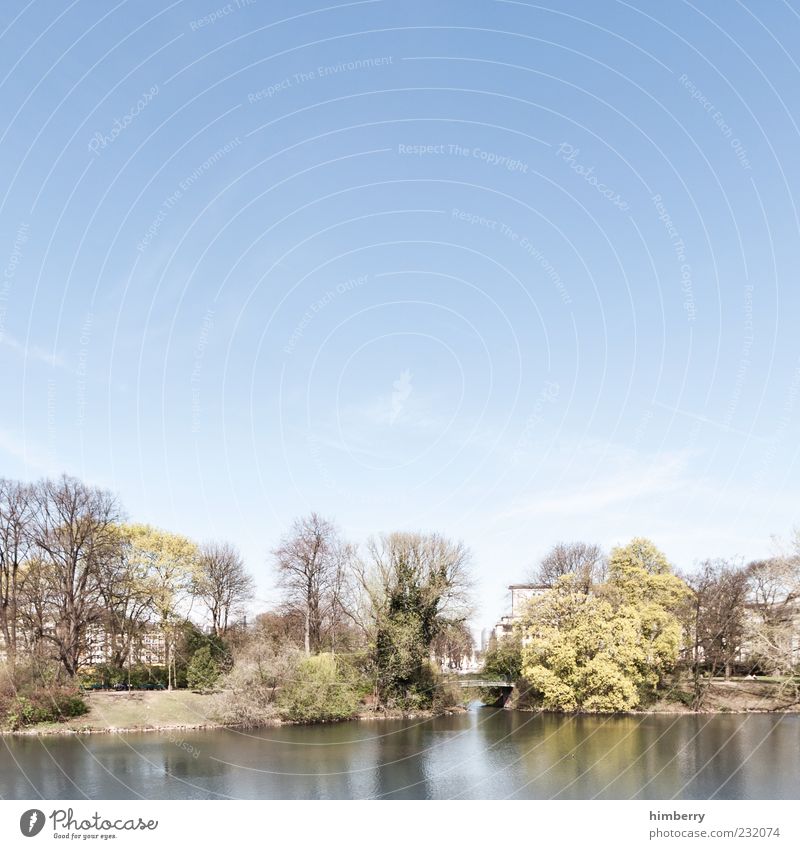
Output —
(774, 611)
(15, 545)
(583, 560)
(222, 583)
(453, 645)
(35, 603)
(74, 531)
(308, 562)
(715, 621)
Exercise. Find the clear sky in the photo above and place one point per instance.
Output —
(515, 272)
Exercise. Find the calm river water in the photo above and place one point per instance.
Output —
(486, 753)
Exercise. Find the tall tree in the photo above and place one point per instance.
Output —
(412, 587)
(74, 531)
(583, 560)
(126, 593)
(609, 649)
(169, 562)
(453, 645)
(715, 621)
(308, 562)
(222, 583)
(16, 541)
(774, 611)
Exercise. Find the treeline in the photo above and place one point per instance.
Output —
(79, 586)
(84, 596)
(356, 630)
(615, 633)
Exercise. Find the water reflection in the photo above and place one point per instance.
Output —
(485, 753)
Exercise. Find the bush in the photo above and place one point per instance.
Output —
(504, 659)
(325, 689)
(251, 688)
(43, 705)
(203, 671)
(449, 695)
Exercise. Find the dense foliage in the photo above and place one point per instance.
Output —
(607, 650)
(34, 696)
(203, 671)
(323, 689)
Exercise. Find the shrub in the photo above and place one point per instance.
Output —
(43, 705)
(203, 671)
(324, 689)
(262, 667)
(504, 659)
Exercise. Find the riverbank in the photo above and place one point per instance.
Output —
(737, 695)
(112, 712)
(170, 712)
(184, 710)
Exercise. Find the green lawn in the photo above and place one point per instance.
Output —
(109, 710)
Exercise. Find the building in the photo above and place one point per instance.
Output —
(521, 594)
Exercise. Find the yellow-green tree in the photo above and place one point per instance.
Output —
(169, 562)
(604, 651)
(641, 585)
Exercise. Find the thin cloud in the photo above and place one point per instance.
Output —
(34, 352)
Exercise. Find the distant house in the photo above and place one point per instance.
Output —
(148, 648)
(521, 594)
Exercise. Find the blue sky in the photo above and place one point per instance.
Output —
(518, 273)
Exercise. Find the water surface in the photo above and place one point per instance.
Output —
(483, 754)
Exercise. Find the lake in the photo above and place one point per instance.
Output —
(485, 753)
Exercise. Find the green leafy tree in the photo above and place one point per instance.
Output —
(503, 659)
(203, 670)
(412, 589)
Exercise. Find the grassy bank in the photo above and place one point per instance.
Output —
(111, 712)
(136, 711)
(735, 695)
